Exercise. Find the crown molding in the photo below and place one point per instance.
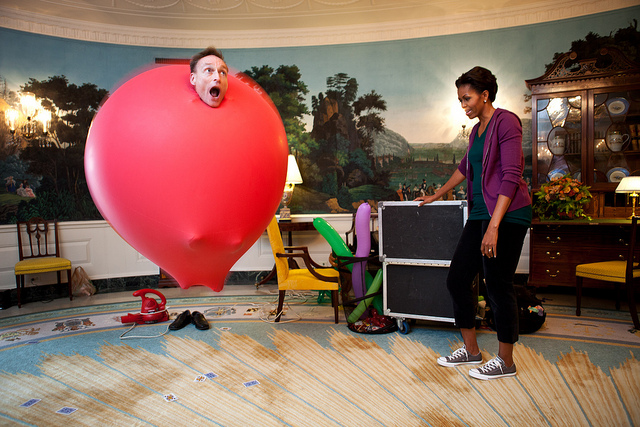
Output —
(454, 23)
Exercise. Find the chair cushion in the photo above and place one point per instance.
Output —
(302, 279)
(610, 271)
(42, 265)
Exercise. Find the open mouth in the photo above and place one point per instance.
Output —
(215, 92)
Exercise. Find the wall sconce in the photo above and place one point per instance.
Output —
(23, 121)
(293, 178)
(630, 184)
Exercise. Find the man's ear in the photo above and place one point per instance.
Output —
(192, 79)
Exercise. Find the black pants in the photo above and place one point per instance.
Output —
(498, 273)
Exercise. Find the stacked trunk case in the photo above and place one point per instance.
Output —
(416, 247)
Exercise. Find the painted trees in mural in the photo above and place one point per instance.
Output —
(349, 156)
(345, 127)
(343, 130)
(52, 162)
(287, 90)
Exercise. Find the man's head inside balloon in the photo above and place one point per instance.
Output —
(209, 76)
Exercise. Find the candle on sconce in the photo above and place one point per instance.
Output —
(45, 120)
(12, 119)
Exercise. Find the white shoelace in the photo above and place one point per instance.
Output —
(462, 351)
(490, 365)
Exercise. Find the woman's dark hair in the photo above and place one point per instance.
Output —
(198, 56)
(480, 79)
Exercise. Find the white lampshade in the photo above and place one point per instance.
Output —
(293, 173)
(629, 184)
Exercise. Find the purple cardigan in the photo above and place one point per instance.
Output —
(502, 163)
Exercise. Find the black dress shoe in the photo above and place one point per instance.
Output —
(199, 320)
(181, 321)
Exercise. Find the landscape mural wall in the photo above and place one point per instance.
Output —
(366, 122)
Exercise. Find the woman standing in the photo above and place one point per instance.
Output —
(499, 217)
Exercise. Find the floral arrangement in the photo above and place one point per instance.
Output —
(562, 198)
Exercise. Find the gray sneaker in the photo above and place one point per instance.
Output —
(460, 357)
(494, 368)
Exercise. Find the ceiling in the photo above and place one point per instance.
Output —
(265, 23)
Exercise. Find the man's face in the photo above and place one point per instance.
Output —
(210, 80)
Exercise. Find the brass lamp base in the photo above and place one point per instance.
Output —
(285, 214)
(633, 196)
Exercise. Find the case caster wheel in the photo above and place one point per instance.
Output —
(403, 326)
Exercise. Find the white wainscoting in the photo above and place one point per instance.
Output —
(92, 245)
(96, 247)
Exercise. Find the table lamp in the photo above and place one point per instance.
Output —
(293, 178)
(630, 184)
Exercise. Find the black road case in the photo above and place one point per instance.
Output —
(416, 247)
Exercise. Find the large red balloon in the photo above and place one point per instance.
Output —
(189, 186)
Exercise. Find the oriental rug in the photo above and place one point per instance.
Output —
(71, 367)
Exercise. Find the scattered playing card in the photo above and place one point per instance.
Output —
(211, 375)
(250, 383)
(30, 403)
(225, 328)
(170, 397)
(66, 410)
(200, 378)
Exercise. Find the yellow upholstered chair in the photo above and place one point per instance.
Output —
(312, 277)
(39, 252)
(622, 271)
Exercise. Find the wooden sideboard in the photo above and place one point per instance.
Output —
(558, 246)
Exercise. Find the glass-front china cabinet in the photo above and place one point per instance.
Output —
(586, 122)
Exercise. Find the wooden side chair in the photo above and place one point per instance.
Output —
(621, 271)
(39, 251)
(313, 277)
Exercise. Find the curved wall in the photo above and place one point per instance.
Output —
(247, 24)
(414, 75)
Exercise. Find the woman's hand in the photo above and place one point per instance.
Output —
(455, 179)
(490, 239)
(425, 199)
(489, 242)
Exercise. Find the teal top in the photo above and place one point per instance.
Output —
(479, 209)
